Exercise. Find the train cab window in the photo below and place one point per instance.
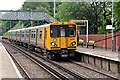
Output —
(63, 31)
(72, 31)
(55, 31)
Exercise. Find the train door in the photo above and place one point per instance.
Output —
(45, 37)
(37, 37)
(63, 37)
(29, 36)
(34, 37)
(40, 37)
(20, 35)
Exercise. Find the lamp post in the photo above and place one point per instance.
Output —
(54, 10)
(112, 20)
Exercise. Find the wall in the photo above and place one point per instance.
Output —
(119, 40)
(100, 39)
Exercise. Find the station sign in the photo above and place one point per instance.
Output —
(109, 27)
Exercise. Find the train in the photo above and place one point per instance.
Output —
(55, 40)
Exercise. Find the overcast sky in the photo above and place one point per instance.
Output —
(11, 4)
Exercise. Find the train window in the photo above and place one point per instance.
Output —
(72, 31)
(55, 31)
(26, 34)
(40, 36)
(22, 34)
(34, 36)
(15, 34)
(62, 31)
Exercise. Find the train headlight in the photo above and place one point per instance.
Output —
(73, 43)
(53, 44)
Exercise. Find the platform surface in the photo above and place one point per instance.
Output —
(115, 56)
(7, 67)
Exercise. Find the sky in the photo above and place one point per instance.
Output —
(11, 4)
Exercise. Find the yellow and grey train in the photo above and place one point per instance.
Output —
(58, 39)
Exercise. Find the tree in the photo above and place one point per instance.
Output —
(82, 11)
(105, 17)
(117, 15)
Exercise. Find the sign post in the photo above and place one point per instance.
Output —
(110, 27)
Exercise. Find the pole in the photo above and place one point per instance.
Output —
(87, 33)
(10, 25)
(106, 41)
(113, 43)
(54, 10)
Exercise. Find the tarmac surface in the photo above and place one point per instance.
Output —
(109, 54)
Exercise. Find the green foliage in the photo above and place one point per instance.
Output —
(97, 13)
(101, 30)
(69, 11)
(17, 26)
(82, 11)
(117, 15)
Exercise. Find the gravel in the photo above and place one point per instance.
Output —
(31, 68)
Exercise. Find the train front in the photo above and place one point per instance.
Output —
(63, 38)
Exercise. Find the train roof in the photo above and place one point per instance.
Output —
(41, 26)
(11, 30)
(35, 27)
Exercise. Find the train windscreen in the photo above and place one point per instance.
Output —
(63, 31)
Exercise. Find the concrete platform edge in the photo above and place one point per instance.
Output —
(15, 67)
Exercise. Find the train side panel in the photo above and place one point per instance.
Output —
(23, 36)
(27, 33)
(47, 38)
(39, 39)
(33, 37)
(18, 36)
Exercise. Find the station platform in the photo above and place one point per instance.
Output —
(8, 68)
(99, 52)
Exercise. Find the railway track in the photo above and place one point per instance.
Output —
(26, 75)
(57, 70)
(30, 68)
(73, 69)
